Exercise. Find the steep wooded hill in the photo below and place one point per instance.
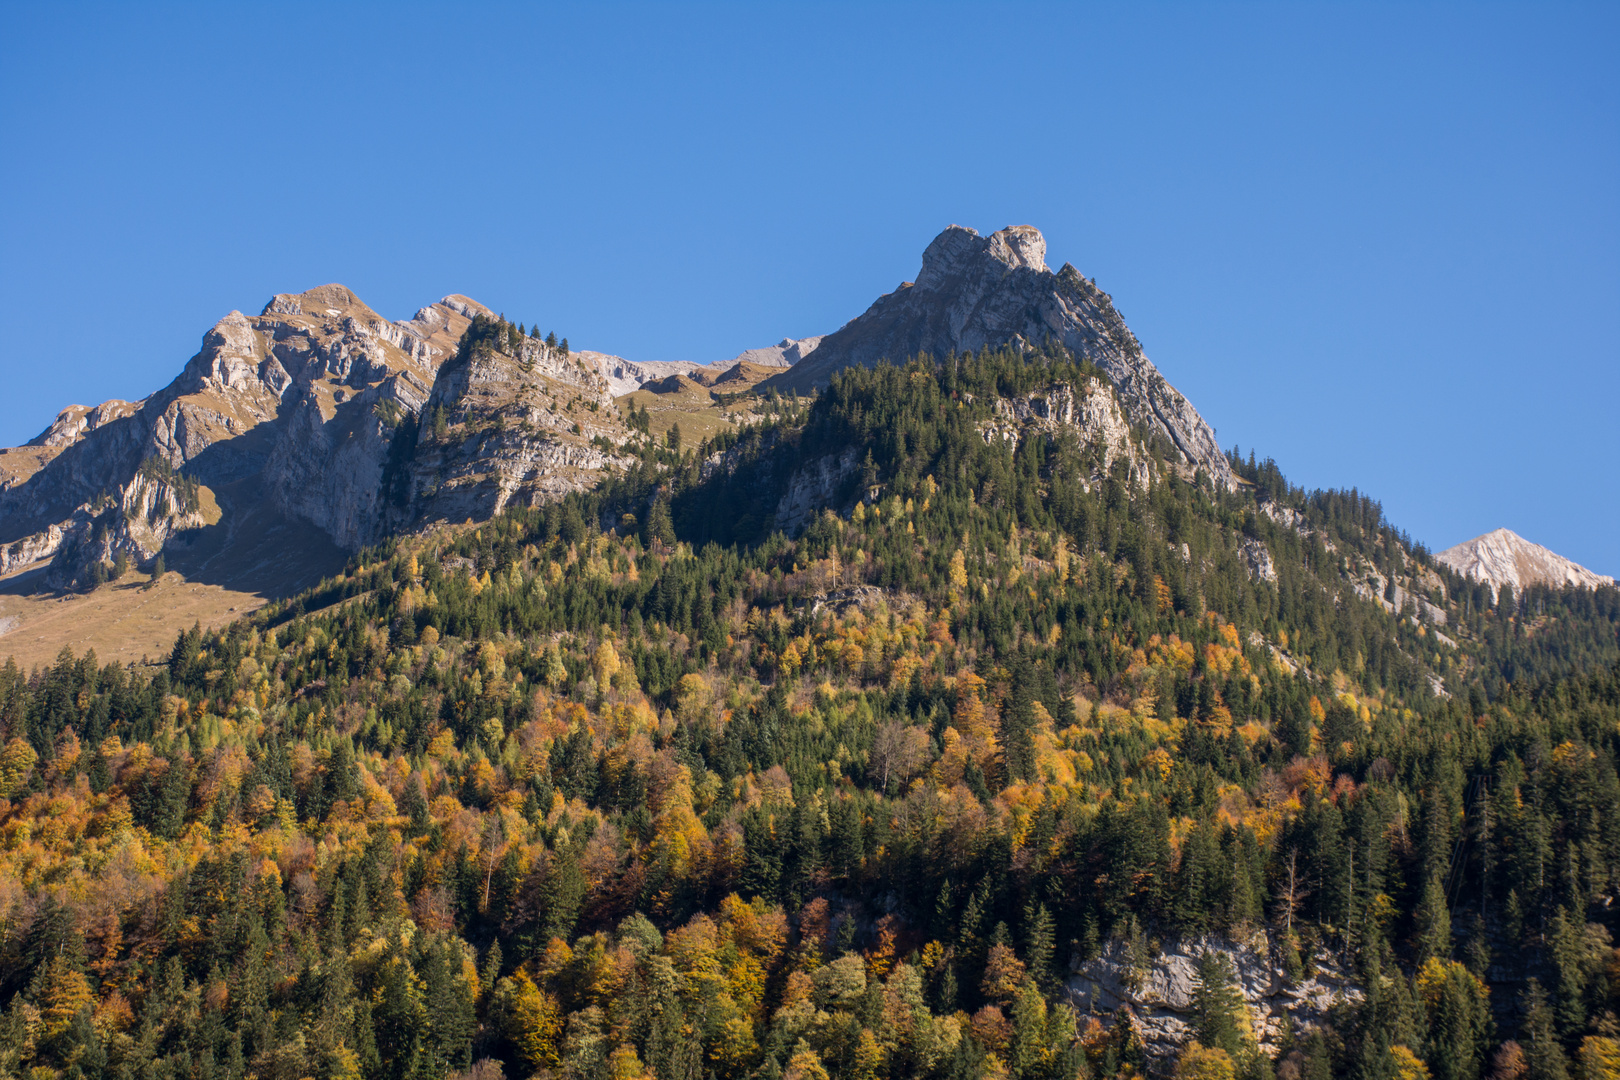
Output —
(1009, 750)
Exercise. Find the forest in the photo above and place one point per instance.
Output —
(637, 784)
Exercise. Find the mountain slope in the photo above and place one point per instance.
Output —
(1502, 557)
(1019, 760)
(313, 378)
(975, 291)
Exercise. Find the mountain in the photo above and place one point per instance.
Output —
(1502, 557)
(626, 376)
(784, 353)
(285, 416)
(293, 417)
(975, 291)
(943, 725)
(316, 412)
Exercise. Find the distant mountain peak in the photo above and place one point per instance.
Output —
(1503, 557)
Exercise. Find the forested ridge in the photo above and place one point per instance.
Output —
(635, 785)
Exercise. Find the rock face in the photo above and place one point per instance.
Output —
(317, 411)
(1257, 557)
(77, 421)
(1090, 411)
(813, 487)
(974, 291)
(627, 376)
(784, 353)
(290, 408)
(1160, 992)
(1502, 558)
(508, 426)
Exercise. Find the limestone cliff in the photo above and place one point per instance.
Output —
(1090, 411)
(974, 291)
(784, 353)
(1159, 990)
(290, 408)
(507, 426)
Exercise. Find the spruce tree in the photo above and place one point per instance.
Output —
(1433, 923)
(1220, 1012)
(1544, 1054)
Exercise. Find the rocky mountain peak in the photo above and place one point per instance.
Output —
(959, 252)
(323, 301)
(291, 412)
(1503, 557)
(75, 421)
(976, 291)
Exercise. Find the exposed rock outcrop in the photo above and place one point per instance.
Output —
(509, 428)
(815, 486)
(1160, 992)
(996, 290)
(627, 376)
(1090, 411)
(148, 512)
(298, 402)
(1257, 557)
(1502, 558)
(784, 353)
(77, 421)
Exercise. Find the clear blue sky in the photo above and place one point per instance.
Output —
(1377, 242)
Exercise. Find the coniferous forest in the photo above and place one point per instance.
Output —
(637, 785)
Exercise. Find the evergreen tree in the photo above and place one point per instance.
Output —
(1544, 1054)
(1433, 923)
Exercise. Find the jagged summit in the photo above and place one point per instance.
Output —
(1503, 557)
(784, 353)
(75, 421)
(323, 300)
(954, 252)
(291, 409)
(975, 291)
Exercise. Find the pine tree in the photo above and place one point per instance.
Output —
(1567, 935)
(1221, 1014)
(1040, 942)
(1459, 1027)
(1544, 1054)
(1433, 923)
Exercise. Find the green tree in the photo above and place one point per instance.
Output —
(1221, 1016)
(1433, 923)
(1544, 1054)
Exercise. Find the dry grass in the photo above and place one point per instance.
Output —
(121, 621)
(694, 407)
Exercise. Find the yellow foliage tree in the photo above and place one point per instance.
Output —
(804, 1064)
(532, 1021)
(1408, 1066)
(1600, 1058)
(16, 765)
(605, 664)
(66, 991)
(1199, 1062)
(624, 1064)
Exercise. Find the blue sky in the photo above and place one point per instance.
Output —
(1380, 243)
